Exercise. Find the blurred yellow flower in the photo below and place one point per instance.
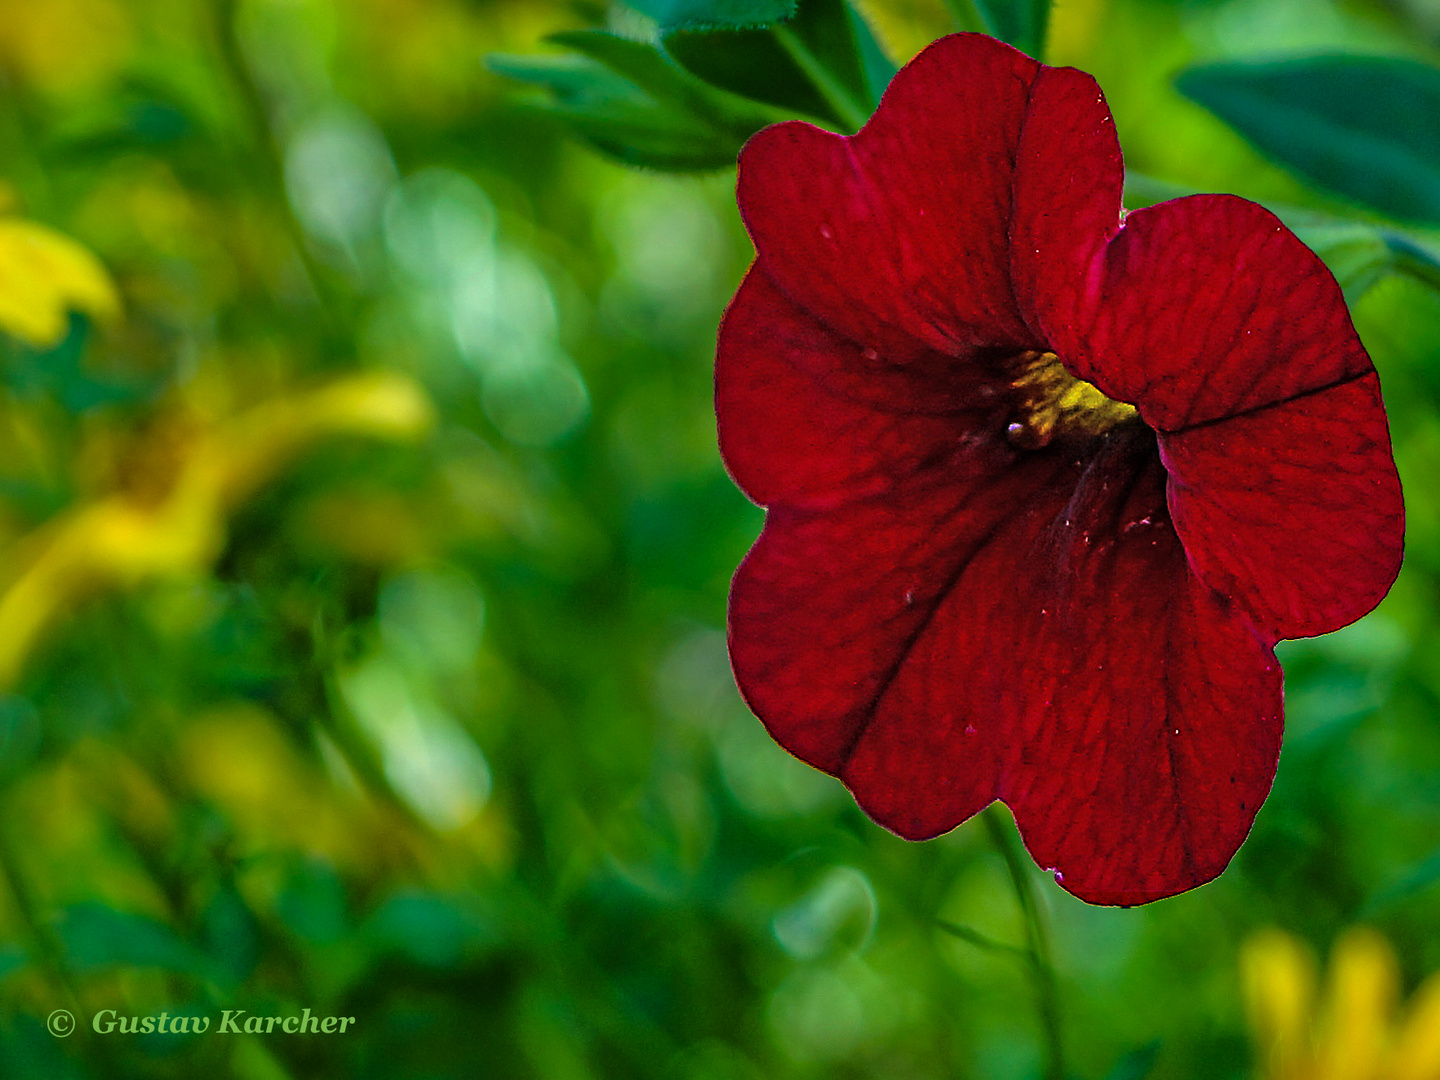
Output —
(1357, 1032)
(123, 539)
(63, 45)
(44, 276)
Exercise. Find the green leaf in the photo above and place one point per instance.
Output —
(751, 63)
(825, 62)
(12, 958)
(432, 930)
(1418, 879)
(878, 69)
(27, 1049)
(96, 936)
(619, 118)
(1366, 128)
(313, 905)
(708, 14)
(1022, 23)
(229, 935)
(656, 74)
(1137, 1064)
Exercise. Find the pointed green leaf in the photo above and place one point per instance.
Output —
(619, 118)
(877, 68)
(829, 33)
(824, 63)
(12, 958)
(1366, 128)
(712, 14)
(652, 71)
(96, 936)
(1418, 879)
(1137, 1064)
(750, 63)
(432, 929)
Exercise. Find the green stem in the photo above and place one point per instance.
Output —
(257, 119)
(1042, 27)
(45, 945)
(969, 15)
(1413, 261)
(979, 940)
(1037, 939)
(846, 108)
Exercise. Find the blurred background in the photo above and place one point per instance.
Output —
(364, 548)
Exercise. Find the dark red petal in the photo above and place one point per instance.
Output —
(872, 512)
(1152, 784)
(1208, 307)
(1295, 509)
(826, 607)
(1077, 670)
(792, 403)
(1069, 176)
(897, 237)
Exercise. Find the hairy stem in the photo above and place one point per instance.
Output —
(1037, 939)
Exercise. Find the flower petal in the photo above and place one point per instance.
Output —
(806, 419)
(897, 237)
(826, 607)
(1069, 176)
(1293, 510)
(1204, 308)
(872, 513)
(1077, 670)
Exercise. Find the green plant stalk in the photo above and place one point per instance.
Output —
(257, 118)
(1037, 941)
(981, 941)
(969, 15)
(45, 944)
(850, 112)
(1042, 27)
(1412, 261)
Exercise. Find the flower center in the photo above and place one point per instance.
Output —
(1052, 403)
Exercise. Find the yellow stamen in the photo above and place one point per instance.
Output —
(1052, 403)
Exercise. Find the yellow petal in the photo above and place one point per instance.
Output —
(1417, 1053)
(65, 45)
(45, 275)
(1278, 975)
(1360, 1006)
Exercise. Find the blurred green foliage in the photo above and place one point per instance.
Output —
(375, 559)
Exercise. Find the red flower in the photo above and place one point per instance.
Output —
(982, 578)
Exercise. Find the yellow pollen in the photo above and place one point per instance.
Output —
(1052, 403)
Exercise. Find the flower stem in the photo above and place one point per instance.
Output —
(1037, 950)
(846, 108)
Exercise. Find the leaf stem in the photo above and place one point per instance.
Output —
(846, 108)
(1037, 939)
